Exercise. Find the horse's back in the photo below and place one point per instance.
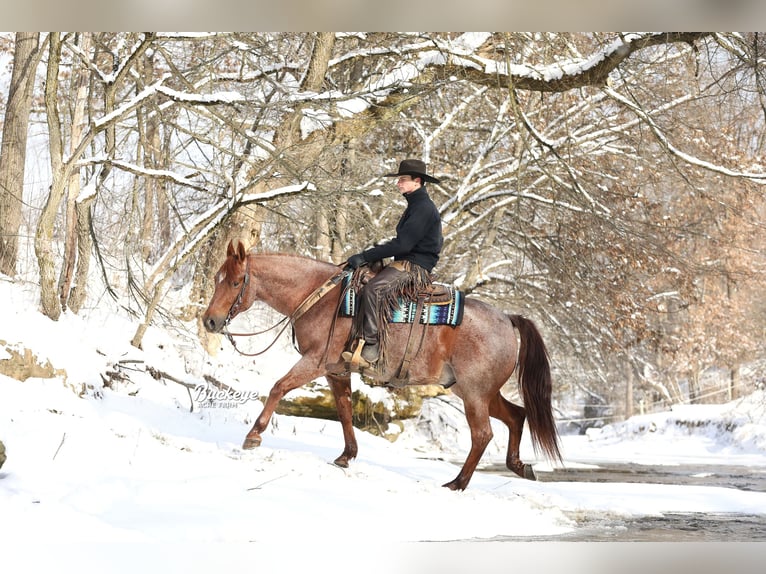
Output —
(481, 350)
(485, 335)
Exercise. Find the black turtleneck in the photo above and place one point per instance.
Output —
(418, 234)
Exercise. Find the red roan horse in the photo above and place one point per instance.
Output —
(475, 358)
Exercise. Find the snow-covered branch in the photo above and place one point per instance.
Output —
(201, 99)
(660, 135)
(129, 105)
(560, 76)
(142, 171)
(247, 198)
(201, 227)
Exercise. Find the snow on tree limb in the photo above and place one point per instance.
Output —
(201, 99)
(561, 76)
(757, 177)
(129, 105)
(142, 171)
(461, 58)
(201, 227)
(174, 95)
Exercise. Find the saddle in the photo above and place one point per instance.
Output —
(438, 293)
(434, 304)
(441, 304)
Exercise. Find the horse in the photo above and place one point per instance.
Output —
(474, 359)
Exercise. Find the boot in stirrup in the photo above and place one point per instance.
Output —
(363, 357)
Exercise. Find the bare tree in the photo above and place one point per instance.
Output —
(14, 145)
(77, 240)
(580, 172)
(64, 169)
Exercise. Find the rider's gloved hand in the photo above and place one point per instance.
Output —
(355, 261)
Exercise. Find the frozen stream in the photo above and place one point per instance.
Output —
(670, 527)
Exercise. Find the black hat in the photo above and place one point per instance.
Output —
(413, 167)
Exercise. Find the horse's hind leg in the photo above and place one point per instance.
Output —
(481, 434)
(341, 390)
(513, 416)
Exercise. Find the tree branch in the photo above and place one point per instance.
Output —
(559, 77)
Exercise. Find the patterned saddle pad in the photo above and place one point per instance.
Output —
(445, 308)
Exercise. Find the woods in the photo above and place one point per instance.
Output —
(608, 186)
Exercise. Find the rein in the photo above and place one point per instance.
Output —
(305, 305)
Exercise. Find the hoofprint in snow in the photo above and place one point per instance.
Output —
(132, 463)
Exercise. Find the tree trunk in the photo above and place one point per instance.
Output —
(14, 146)
(138, 337)
(288, 134)
(202, 290)
(155, 202)
(163, 205)
(84, 245)
(694, 385)
(629, 391)
(71, 250)
(288, 131)
(244, 225)
(340, 208)
(44, 235)
(323, 239)
(62, 171)
(733, 383)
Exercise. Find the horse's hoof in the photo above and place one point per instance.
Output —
(522, 469)
(453, 485)
(341, 461)
(251, 442)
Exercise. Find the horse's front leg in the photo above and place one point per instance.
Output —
(302, 372)
(341, 390)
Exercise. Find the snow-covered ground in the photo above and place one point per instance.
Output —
(132, 466)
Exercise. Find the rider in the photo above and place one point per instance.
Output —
(415, 250)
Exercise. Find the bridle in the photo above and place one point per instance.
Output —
(237, 303)
(234, 310)
(290, 319)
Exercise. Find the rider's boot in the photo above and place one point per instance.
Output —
(364, 356)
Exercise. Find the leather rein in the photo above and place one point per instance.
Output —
(290, 319)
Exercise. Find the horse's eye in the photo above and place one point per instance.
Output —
(236, 283)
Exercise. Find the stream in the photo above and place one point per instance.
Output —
(670, 527)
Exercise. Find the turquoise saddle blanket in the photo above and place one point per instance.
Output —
(449, 312)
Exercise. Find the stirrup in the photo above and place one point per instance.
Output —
(355, 360)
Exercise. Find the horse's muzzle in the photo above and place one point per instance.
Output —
(212, 324)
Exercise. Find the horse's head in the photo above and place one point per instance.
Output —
(232, 293)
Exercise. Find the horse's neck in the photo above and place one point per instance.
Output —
(284, 281)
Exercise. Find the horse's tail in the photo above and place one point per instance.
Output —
(535, 384)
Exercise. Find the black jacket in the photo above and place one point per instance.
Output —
(418, 234)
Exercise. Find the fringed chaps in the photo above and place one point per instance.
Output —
(399, 280)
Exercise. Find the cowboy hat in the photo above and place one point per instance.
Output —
(413, 167)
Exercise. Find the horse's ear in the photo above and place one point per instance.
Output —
(241, 253)
(230, 249)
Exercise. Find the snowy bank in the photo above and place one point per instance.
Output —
(132, 464)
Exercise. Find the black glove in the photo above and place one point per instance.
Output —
(355, 261)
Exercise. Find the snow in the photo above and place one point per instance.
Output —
(131, 464)
(129, 105)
